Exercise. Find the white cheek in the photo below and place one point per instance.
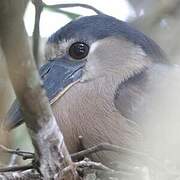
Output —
(93, 47)
(91, 70)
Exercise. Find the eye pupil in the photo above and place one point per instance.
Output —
(78, 50)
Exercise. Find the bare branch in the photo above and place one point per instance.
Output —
(46, 136)
(24, 154)
(25, 175)
(38, 10)
(86, 166)
(146, 159)
(107, 147)
(59, 6)
(16, 168)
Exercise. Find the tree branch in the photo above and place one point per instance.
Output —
(50, 149)
(86, 166)
(38, 10)
(24, 154)
(26, 175)
(16, 168)
(59, 6)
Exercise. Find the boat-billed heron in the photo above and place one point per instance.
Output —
(117, 80)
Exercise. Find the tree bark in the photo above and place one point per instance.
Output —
(47, 139)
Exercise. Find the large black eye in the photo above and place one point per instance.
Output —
(78, 50)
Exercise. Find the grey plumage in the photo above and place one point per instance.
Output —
(121, 81)
(98, 27)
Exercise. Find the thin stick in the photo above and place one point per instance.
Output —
(107, 147)
(24, 154)
(58, 6)
(146, 158)
(89, 166)
(38, 10)
(16, 168)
